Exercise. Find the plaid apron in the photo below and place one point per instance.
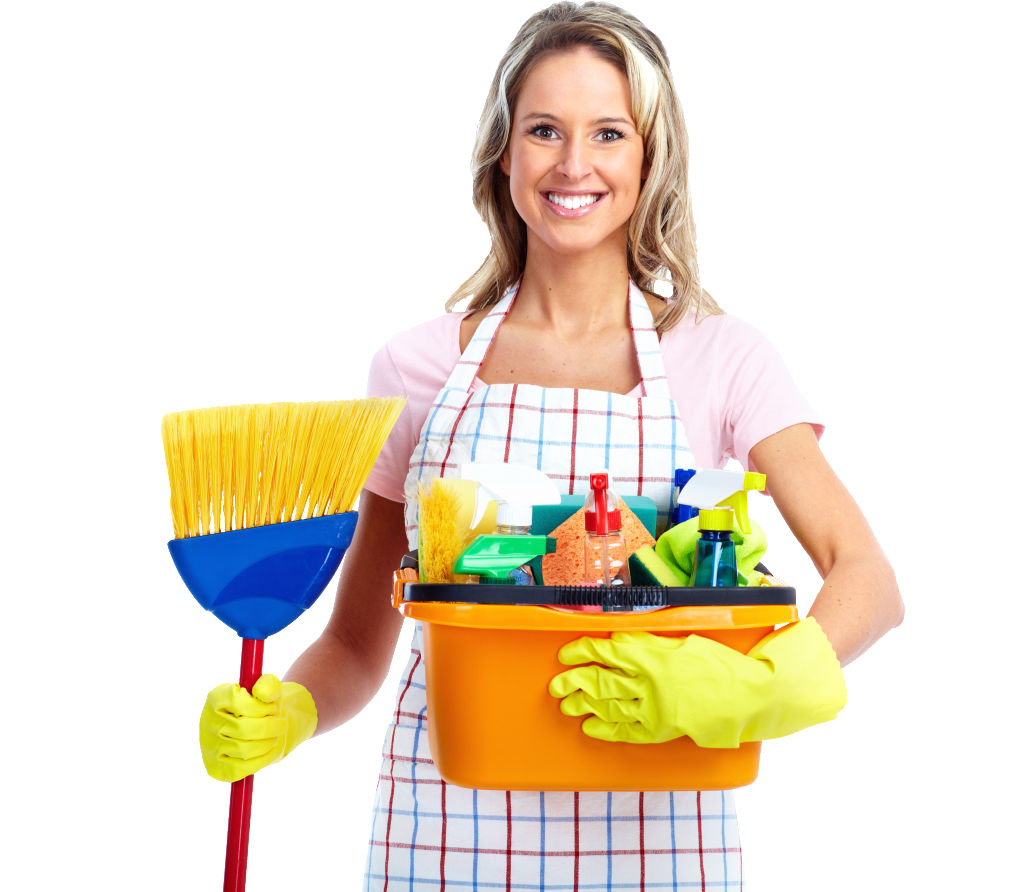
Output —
(430, 835)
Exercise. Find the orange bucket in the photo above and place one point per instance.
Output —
(521, 740)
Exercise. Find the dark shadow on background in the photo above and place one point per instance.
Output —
(45, 428)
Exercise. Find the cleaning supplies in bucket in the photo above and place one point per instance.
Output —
(510, 555)
(677, 549)
(720, 489)
(605, 558)
(565, 566)
(704, 491)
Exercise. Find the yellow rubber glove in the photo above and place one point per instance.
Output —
(240, 733)
(658, 688)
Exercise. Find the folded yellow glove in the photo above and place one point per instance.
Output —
(658, 688)
(240, 733)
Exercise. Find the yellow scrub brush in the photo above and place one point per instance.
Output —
(443, 529)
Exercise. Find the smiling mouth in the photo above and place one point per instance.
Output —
(573, 202)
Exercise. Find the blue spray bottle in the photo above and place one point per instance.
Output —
(714, 562)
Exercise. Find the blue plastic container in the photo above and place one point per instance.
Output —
(259, 580)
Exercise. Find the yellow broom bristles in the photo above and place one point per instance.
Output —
(233, 467)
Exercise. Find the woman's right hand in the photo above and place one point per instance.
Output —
(240, 733)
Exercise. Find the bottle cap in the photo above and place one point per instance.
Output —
(716, 519)
(600, 520)
(512, 515)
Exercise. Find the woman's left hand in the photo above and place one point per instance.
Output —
(655, 689)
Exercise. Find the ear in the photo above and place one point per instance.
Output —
(645, 171)
(505, 161)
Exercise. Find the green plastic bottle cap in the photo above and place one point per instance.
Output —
(718, 519)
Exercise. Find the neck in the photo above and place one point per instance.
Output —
(575, 293)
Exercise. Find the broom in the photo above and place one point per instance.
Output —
(261, 502)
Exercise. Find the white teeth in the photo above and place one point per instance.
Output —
(573, 202)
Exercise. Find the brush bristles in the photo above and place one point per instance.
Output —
(233, 467)
(442, 538)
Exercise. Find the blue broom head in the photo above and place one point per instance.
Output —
(261, 579)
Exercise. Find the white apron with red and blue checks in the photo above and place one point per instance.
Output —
(431, 835)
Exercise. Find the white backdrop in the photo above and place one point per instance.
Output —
(859, 198)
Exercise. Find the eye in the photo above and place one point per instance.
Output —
(543, 131)
(610, 135)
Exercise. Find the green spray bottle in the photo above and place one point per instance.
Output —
(510, 555)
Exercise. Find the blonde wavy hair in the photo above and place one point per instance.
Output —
(661, 235)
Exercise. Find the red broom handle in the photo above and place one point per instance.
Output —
(241, 791)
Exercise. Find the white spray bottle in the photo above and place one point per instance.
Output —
(499, 557)
(725, 489)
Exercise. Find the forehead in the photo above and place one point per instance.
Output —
(577, 85)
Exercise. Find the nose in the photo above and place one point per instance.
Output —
(574, 163)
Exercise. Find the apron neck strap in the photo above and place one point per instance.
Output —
(469, 363)
(653, 381)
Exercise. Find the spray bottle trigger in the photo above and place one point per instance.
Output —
(537, 564)
(738, 502)
(483, 498)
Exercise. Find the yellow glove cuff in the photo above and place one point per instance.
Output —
(807, 681)
(298, 707)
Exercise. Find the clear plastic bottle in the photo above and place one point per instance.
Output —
(516, 526)
(605, 558)
(714, 561)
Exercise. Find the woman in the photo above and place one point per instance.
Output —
(566, 361)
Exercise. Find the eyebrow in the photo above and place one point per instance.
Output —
(558, 120)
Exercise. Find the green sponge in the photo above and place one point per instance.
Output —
(646, 568)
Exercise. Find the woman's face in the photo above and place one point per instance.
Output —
(574, 160)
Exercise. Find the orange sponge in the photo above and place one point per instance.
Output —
(565, 566)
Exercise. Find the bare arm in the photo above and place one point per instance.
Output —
(347, 664)
(859, 601)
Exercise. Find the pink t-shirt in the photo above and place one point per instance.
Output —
(728, 380)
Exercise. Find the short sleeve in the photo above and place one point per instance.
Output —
(415, 364)
(758, 396)
(387, 479)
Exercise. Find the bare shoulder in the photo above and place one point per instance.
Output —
(469, 325)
